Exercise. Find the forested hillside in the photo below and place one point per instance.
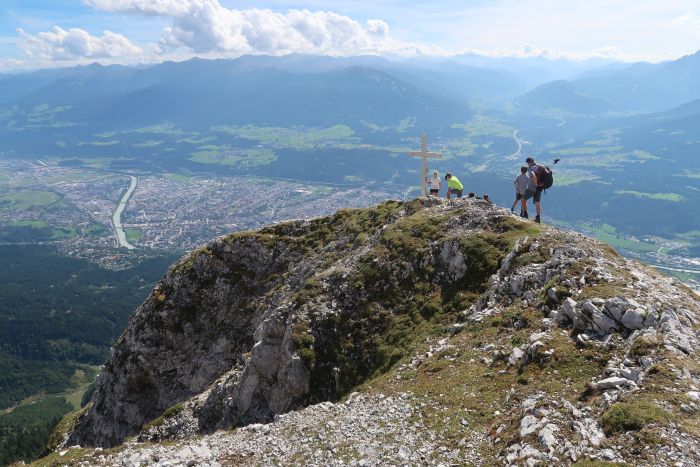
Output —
(59, 315)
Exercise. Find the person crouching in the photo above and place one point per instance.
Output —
(454, 186)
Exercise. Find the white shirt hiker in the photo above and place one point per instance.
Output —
(523, 183)
(434, 183)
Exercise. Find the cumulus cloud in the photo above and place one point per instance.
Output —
(207, 27)
(76, 44)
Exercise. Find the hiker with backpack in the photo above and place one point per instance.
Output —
(453, 186)
(542, 179)
(522, 185)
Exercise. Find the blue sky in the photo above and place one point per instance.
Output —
(39, 33)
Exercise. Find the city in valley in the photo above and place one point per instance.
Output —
(114, 218)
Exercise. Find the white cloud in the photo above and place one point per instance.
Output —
(207, 27)
(639, 29)
(528, 50)
(76, 44)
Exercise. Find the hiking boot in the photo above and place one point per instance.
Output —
(512, 210)
(537, 219)
(524, 214)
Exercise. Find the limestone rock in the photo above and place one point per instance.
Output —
(529, 425)
(546, 437)
(613, 382)
(602, 323)
(569, 308)
(516, 356)
(633, 319)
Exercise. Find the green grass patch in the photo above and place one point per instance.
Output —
(158, 129)
(179, 178)
(133, 235)
(592, 463)
(27, 199)
(625, 243)
(95, 230)
(482, 125)
(198, 139)
(34, 224)
(567, 179)
(632, 416)
(224, 155)
(295, 137)
(148, 144)
(304, 343)
(170, 412)
(674, 197)
(690, 174)
(99, 143)
(644, 345)
(34, 230)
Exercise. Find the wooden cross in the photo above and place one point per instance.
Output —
(424, 155)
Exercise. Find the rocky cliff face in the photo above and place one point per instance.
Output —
(496, 339)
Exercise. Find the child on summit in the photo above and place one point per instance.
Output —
(522, 182)
(434, 184)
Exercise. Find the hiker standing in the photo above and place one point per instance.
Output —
(536, 176)
(453, 186)
(522, 184)
(434, 184)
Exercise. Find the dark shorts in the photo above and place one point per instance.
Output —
(536, 195)
(434, 192)
(518, 197)
(457, 193)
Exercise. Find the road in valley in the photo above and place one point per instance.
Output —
(519, 142)
(511, 157)
(116, 217)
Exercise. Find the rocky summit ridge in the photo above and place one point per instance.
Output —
(410, 333)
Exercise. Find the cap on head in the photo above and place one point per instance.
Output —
(530, 160)
(448, 176)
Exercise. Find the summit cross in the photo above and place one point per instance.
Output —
(424, 154)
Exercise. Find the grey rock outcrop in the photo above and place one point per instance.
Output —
(554, 326)
(258, 323)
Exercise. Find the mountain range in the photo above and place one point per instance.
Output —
(640, 87)
(323, 90)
